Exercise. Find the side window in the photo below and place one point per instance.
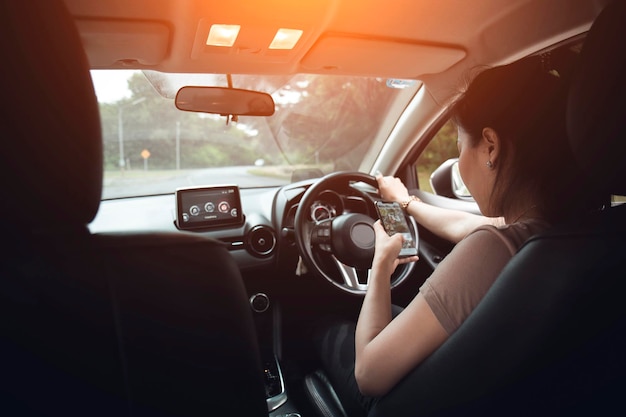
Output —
(441, 148)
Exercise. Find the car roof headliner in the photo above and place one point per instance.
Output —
(434, 41)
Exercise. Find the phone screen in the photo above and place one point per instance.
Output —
(394, 221)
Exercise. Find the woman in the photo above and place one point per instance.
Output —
(513, 157)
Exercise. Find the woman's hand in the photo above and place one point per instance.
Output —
(386, 251)
(392, 188)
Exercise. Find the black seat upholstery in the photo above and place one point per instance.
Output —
(549, 338)
(128, 324)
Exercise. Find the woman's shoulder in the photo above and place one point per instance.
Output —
(464, 276)
(512, 235)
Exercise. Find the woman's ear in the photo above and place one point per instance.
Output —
(491, 145)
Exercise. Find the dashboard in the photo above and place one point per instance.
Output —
(252, 242)
(263, 238)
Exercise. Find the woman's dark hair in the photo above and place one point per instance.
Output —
(524, 102)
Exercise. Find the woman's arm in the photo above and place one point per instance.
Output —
(452, 225)
(375, 373)
(386, 350)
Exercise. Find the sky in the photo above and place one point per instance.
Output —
(111, 85)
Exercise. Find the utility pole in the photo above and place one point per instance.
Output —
(177, 145)
(120, 129)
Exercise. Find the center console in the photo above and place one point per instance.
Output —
(268, 324)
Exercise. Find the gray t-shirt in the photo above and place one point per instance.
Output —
(462, 279)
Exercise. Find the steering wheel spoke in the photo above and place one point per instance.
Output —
(350, 276)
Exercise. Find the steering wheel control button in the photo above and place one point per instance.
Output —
(260, 302)
(321, 235)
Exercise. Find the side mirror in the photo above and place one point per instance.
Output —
(446, 181)
(224, 101)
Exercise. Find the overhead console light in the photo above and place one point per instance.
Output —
(285, 38)
(223, 35)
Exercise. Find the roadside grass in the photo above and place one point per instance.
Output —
(423, 176)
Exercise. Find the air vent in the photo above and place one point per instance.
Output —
(261, 241)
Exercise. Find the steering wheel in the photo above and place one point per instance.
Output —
(341, 249)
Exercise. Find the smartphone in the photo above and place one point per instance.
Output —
(394, 221)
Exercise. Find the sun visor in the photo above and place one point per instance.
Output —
(110, 43)
(379, 57)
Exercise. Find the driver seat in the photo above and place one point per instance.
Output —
(137, 324)
(549, 336)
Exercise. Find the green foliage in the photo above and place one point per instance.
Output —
(332, 121)
(216, 155)
(441, 148)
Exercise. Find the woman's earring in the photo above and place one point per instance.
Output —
(489, 165)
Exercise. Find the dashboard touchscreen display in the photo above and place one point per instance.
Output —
(205, 207)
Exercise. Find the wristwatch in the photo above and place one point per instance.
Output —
(405, 203)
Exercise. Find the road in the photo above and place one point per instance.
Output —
(133, 183)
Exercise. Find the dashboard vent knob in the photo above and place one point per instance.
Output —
(261, 241)
(260, 302)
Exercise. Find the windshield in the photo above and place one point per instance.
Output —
(321, 124)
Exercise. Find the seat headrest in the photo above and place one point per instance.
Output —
(596, 112)
(52, 142)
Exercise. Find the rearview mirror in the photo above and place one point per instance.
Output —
(224, 101)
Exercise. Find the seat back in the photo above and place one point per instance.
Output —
(548, 338)
(108, 324)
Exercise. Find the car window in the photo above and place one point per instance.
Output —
(321, 124)
(441, 148)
